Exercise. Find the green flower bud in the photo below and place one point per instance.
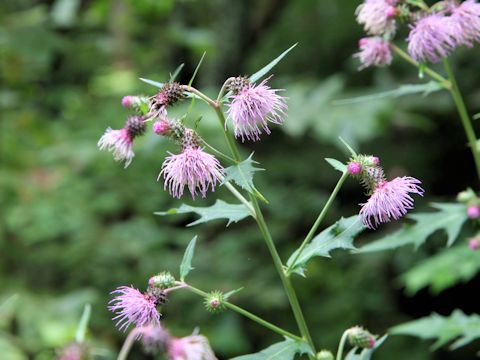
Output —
(215, 302)
(164, 280)
(324, 355)
(358, 336)
(466, 196)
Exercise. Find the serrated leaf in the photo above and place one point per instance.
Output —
(402, 90)
(443, 270)
(449, 218)
(263, 71)
(186, 265)
(338, 236)
(365, 354)
(219, 210)
(463, 328)
(337, 165)
(242, 174)
(152, 82)
(285, 350)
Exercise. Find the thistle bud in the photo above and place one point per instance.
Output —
(473, 211)
(466, 196)
(135, 126)
(215, 302)
(474, 244)
(190, 139)
(324, 355)
(354, 168)
(238, 84)
(164, 280)
(161, 127)
(360, 337)
(158, 295)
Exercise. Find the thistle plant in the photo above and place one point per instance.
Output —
(249, 108)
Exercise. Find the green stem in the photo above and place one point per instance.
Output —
(201, 95)
(433, 74)
(341, 345)
(219, 153)
(249, 315)
(228, 137)
(319, 220)
(462, 111)
(127, 345)
(240, 197)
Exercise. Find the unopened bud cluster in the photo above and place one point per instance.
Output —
(367, 169)
(163, 280)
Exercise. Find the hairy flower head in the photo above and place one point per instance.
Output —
(253, 107)
(377, 16)
(193, 347)
(133, 307)
(374, 51)
(465, 19)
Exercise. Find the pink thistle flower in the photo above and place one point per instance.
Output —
(374, 51)
(193, 168)
(253, 107)
(193, 347)
(161, 127)
(153, 338)
(432, 38)
(474, 244)
(133, 307)
(354, 168)
(465, 19)
(390, 200)
(473, 211)
(128, 101)
(376, 160)
(377, 16)
(120, 143)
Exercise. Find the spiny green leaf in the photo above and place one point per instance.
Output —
(285, 350)
(83, 324)
(402, 90)
(464, 328)
(337, 165)
(174, 75)
(338, 236)
(232, 292)
(443, 270)
(242, 174)
(219, 210)
(263, 71)
(186, 264)
(347, 145)
(152, 82)
(365, 354)
(450, 218)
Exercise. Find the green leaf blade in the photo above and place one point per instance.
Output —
(152, 82)
(219, 210)
(263, 71)
(444, 329)
(450, 218)
(337, 165)
(186, 265)
(285, 350)
(242, 174)
(338, 236)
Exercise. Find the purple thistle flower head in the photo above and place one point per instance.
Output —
(354, 168)
(473, 211)
(374, 51)
(119, 142)
(432, 38)
(193, 347)
(465, 19)
(128, 101)
(154, 338)
(193, 168)
(390, 200)
(133, 307)
(474, 244)
(253, 107)
(377, 16)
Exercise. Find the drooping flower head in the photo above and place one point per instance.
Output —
(360, 337)
(168, 95)
(120, 142)
(432, 38)
(193, 168)
(193, 347)
(374, 51)
(252, 107)
(134, 308)
(377, 16)
(465, 19)
(388, 200)
(154, 338)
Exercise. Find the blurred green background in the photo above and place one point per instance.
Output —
(75, 224)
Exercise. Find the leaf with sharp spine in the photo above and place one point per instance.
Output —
(219, 210)
(242, 174)
(186, 265)
(337, 165)
(263, 71)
